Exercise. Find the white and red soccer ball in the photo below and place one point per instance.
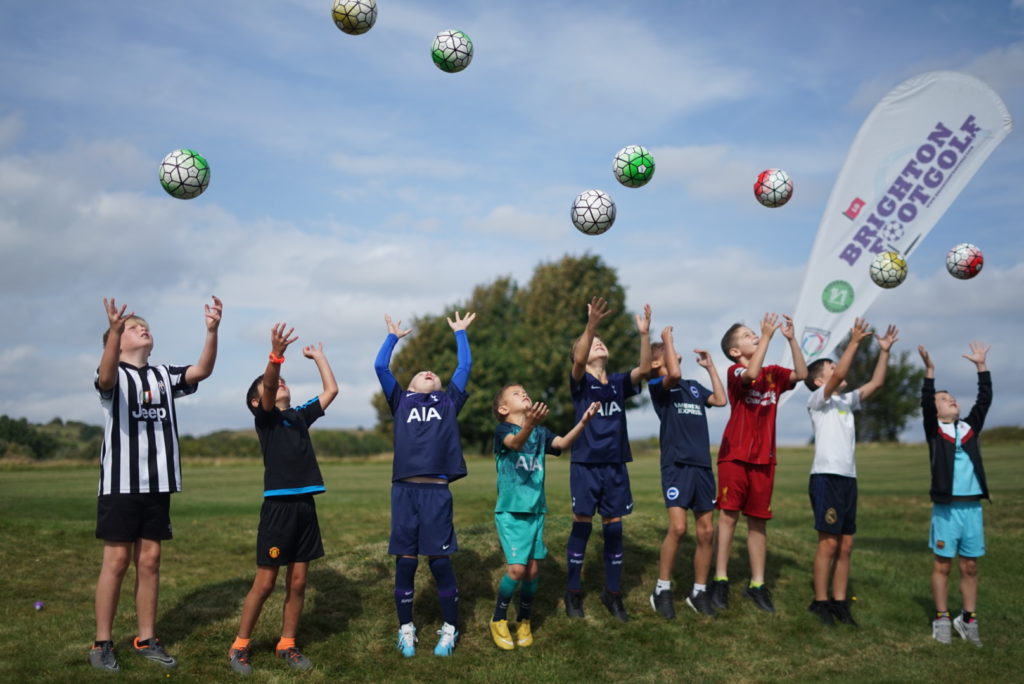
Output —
(773, 187)
(964, 261)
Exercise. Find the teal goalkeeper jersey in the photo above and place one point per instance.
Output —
(521, 473)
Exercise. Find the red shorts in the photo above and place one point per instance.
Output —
(746, 487)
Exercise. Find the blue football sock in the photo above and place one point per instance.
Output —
(527, 591)
(506, 590)
(578, 538)
(405, 581)
(447, 589)
(613, 556)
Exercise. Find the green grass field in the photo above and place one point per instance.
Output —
(46, 529)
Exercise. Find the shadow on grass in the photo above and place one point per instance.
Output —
(202, 607)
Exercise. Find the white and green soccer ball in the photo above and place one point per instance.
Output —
(452, 51)
(888, 269)
(184, 174)
(593, 212)
(633, 166)
(354, 16)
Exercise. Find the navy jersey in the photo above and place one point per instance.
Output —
(426, 439)
(604, 439)
(289, 464)
(684, 424)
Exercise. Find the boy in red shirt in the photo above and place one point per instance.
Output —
(746, 457)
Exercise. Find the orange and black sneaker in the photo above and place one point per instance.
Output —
(150, 649)
(238, 658)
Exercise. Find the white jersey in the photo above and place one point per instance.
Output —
(140, 440)
(834, 434)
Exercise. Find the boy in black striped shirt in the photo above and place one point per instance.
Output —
(140, 468)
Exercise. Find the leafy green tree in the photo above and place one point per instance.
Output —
(520, 335)
(884, 416)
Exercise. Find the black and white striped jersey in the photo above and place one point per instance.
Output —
(140, 453)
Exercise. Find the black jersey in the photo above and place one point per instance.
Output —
(140, 439)
(289, 464)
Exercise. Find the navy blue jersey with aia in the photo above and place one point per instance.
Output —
(604, 439)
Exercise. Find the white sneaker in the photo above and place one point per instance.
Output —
(407, 640)
(446, 644)
(942, 630)
(968, 631)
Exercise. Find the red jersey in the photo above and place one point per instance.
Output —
(750, 433)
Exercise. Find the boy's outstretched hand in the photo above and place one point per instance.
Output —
(643, 322)
(314, 352)
(597, 310)
(279, 339)
(590, 412)
(769, 324)
(213, 314)
(890, 338)
(396, 328)
(859, 331)
(536, 415)
(703, 358)
(461, 323)
(925, 357)
(979, 351)
(787, 328)
(115, 316)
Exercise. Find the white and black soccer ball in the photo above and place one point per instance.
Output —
(593, 212)
(633, 166)
(888, 269)
(184, 174)
(773, 188)
(452, 51)
(964, 261)
(354, 17)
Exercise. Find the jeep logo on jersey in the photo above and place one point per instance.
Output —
(609, 408)
(150, 413)
(423, 414)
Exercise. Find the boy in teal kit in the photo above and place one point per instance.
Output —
(958, 486)
(289, 532)
(520, 442)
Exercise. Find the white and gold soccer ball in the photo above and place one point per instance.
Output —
(888, 269)
(354, 17)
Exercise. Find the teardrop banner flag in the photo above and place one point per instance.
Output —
(913, 155)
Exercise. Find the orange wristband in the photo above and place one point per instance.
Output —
(276, 359)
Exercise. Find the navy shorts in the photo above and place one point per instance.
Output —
(603, 487)
(834, 502)
(688, 486)
(289, 531)
(421, 520)
(130, 517)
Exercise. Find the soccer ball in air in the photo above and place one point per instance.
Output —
(452, 51)
(964, 261)
(593, 212)
(633, 166)
(355, 16)
(888, 269)
(184, 174)
(773, 187)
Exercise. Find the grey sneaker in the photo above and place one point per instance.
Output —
(942, 630)
(295, 659)
(238, 658)
(103, 658)
(968, 631)
(701, 603)
(155, 652)
(662, 603)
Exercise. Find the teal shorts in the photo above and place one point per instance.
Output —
(521, 536)
(957, 528)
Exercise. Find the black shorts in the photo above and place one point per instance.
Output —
(130, 517)
(289, 531)
(834, 502)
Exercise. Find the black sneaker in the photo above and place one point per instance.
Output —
(613, 602)
(822, 610)
(841, 609)
(719, 594)
(574, 604)
(761, 598)
(662, 603)
(701, 603)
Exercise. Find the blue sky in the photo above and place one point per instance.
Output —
(350, 177)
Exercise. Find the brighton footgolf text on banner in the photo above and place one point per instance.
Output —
(913, 155)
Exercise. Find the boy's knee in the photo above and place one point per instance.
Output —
(941, 566)
(969, 567)
(516, 572)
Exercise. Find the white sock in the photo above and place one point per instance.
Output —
(663, 585)
(697, 588)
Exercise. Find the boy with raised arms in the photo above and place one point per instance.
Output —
(428, 456)
(598, 479)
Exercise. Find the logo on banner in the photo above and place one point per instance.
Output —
(837, 296)
(814, 341)
(892, 232)
(855, 206)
